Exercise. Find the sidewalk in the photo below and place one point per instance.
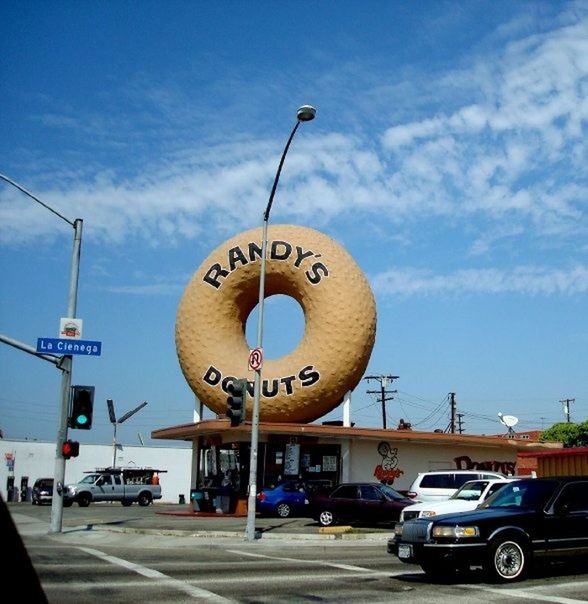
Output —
(180, 520)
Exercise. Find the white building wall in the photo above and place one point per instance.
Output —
(360, 458)
(37, 460)
(409, 459)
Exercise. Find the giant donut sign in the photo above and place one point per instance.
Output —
(339, 312)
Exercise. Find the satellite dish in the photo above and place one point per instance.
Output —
(509, 421)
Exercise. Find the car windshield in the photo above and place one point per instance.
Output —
(391, 493)
(90, 479)
(532, 494)
(470, 491)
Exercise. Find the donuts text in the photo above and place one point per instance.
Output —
(269, 388)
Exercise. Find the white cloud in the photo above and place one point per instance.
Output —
(512, 151)
(406, 282)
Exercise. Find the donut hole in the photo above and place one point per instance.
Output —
(283, 326)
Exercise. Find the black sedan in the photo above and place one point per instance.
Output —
(42, 491)
(359, 502)
(525, 520)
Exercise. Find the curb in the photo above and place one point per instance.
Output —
(335, 530)
(343, 534)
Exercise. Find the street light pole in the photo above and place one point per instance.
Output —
(65, 364)
(115, 422)
(306, 113)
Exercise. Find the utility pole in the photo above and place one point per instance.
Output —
(566, 403)
(383, 379)
(452, 425)
(459, 423)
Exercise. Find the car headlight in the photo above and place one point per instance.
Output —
(428, 513)
(455, 532)
(398, 529)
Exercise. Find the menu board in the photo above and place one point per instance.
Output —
(292, 463)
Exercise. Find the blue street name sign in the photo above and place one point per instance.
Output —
(69, 346)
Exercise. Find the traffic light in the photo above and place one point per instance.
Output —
(70, 448)
(82, 404)
(237, 390)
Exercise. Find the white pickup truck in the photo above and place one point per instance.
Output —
(126, 485)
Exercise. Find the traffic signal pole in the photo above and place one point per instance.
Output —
(64, 363)
(66, 369)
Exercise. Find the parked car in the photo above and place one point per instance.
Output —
(367, 502)
(439, 485)
(466, 498)
(42, 491)
(290, 498)
(286, 499)
(523, 521)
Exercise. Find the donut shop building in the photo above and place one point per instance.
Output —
(298, 389)
(327, 454)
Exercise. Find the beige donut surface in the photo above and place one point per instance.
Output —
(340, 323)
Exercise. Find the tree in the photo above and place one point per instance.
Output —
(571, 435)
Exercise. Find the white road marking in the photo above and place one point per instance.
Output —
(531, 592)
(360, 569)
(195, 592)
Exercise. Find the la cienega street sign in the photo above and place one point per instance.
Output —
(67, 346)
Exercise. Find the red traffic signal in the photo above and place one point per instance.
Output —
(70, 448)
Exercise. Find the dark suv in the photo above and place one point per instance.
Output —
(527, 519)
(42, 491)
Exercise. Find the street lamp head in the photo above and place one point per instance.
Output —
(306, 113)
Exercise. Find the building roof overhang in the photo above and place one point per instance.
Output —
(222, 427)
(559, 452)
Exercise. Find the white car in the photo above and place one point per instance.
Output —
(440, 485)
(468, 497)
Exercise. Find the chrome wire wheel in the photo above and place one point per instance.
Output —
(508, 560)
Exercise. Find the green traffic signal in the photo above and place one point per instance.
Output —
(81, 420)
(82, 404)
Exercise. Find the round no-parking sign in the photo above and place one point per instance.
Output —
(255, 359)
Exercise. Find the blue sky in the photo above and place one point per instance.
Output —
(448, 157)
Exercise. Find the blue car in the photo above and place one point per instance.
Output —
(287, 499)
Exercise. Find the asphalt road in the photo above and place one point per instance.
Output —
(119, 554)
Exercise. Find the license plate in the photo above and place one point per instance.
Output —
(405, 551)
